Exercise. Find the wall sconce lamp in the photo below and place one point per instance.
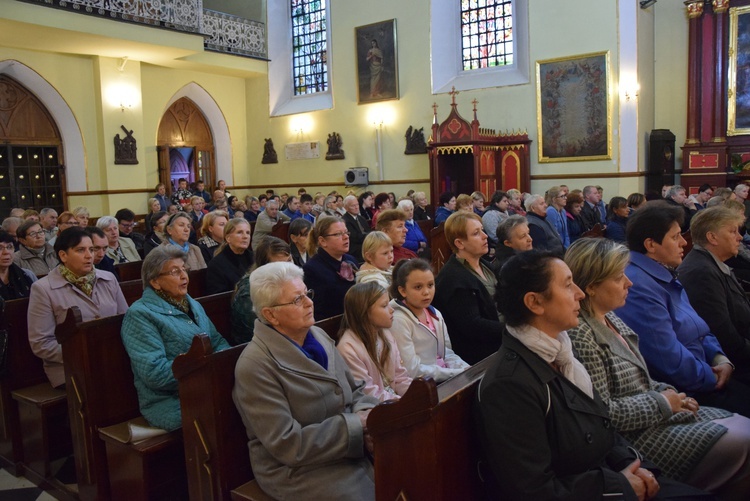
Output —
(300, 124)
(631, 93)
(378, 124)
(645, 4)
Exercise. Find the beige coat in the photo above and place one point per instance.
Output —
(128, 250)
(195, 259)
(305, 440)
(31, 261)
(49, 301)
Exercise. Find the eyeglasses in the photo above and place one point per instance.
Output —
(337, 234)
(34, 234)
(127, 225)
(176, 272)
(562, 196)
(297, 301)
(7, 247)
(71, 222)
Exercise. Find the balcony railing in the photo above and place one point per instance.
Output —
(234, 35)
(224, 32)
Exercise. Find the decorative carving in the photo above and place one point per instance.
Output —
(694, 8)
(269, 153)
(720, 6)
(334, 147)
(236, 35)
(125, 148)
(415, 143)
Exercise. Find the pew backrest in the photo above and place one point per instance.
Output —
(197, 283)
(425, 446)
(441, 251)
(132, 290)
(218, 308)
(216, 450)
(129, 271)
(281, 230)
(331, 326)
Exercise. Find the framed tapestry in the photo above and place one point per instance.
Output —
(377, 62)
(574, 108)
(738, 106)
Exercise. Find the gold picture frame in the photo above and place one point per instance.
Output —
(574, 108)
(377, 62)
(738, 94)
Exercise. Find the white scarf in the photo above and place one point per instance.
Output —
(559, 351)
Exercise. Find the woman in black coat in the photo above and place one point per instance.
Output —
(233, 259)
(464, 290)
(546, 434)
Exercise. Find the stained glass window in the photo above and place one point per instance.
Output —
(486, 33)
(309, 46)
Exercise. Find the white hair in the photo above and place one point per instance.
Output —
(105, 221)
(267, 282)
(531, 200)
(405, 204)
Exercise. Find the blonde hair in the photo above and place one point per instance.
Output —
(230, 228)
(373, 242)
(209, 219)
(712, 219)
(316, 232)
(464, 201)
(455, 227)
(594, 260)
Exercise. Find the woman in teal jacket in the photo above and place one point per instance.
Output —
(160, 326)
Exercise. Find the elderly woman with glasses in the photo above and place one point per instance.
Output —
(330, 271)
(160, 326)
(304, 414)
(15, 282)
(121, 250)
(177, 232)
(34, 253)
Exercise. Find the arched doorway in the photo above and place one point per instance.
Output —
(186, 146)
(31, 174)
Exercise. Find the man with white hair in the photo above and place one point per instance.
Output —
(356, 225)
(266, 221)
(676, 196)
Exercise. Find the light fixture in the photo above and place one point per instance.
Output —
(299, 124)
(645, 4)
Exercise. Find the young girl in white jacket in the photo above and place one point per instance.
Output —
(419, 328)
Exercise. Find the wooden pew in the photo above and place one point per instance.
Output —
(331, 326)
(129, 271)
(441, 251)
(426, 226)
(197, 283)
(132, 290)
(281, 230)
(101, 393)
(688, 242)
(424, 443)
(596, 232)
(32, 432)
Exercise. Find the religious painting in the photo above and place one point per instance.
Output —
(738, 109)
(377, 62)
(574, 108)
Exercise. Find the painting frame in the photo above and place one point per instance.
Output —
(738, 94)
(574, 116)
(376, 58)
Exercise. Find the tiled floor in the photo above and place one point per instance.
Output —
(20, 489)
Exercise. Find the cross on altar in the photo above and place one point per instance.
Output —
(453, 94)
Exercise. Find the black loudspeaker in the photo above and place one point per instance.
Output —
(661, 160)
(356, 176)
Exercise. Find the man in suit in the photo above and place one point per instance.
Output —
(590, 213)
(357, 226)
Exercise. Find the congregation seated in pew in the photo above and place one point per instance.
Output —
(705, 447)
(121, 250)
(101, 260)
(155, 236)
(367, 345)
(304, 414)
(418, 327)
(212, 233)
(160, 326)
(545, 432)
(74, 282)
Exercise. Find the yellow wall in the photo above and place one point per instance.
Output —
(556, 31)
